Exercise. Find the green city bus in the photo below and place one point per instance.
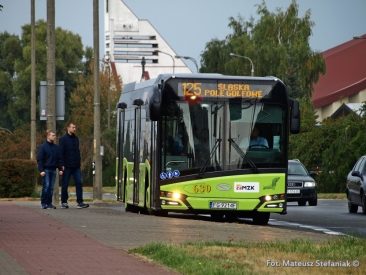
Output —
(184, 144)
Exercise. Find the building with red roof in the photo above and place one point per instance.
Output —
(345, 78)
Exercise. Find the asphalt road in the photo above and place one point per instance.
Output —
(329, 216)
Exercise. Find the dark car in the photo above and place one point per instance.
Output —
(301, 187)
(356, 186)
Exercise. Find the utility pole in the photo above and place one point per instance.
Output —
(109, 95)
(33, 86)
(97, 184)
(51, 81)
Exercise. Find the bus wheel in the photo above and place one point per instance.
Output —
(128, 207)
(231, 217)
(217, 217)
(145, 210)
(131, 208)
(161, 213)
(261, 218)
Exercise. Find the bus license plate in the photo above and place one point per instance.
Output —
(293, 191)
(222, 205)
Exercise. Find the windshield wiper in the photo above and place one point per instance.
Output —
(243, 155)
(202, 171)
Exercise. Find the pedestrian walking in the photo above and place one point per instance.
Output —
(48, 160)
(70, 162)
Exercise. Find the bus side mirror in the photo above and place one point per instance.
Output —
(155, 104)
(295, 117)
(121, 105)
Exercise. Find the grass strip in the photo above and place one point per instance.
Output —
(338, 256)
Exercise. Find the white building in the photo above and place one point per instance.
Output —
(129, 39)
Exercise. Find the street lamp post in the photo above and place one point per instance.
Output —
(158, 51)
(236, 55)
(190, 58)
(107, 60)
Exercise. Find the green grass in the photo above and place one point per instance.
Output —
(256, 258)
(333, 196)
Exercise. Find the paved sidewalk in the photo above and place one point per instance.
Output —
(95, 240)
(35, 243)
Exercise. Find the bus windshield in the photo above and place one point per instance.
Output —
(224, 135)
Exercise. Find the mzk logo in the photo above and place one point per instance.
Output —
(273, 185)
(246, 187)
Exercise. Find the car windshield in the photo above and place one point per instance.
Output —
(296, 169)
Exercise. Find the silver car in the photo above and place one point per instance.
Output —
(356, 186)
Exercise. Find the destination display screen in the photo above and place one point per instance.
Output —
(223, 89)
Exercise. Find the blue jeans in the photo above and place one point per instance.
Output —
(76, 173)
(48, 186)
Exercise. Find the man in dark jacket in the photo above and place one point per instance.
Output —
(70, 162)
(48, 160)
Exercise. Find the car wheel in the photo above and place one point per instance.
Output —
(261, 218)
(352, 208)
(301, 203)
(364, 204)
(314, 202)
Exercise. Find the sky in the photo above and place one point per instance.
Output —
(195, 21)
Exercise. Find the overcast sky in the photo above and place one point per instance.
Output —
(187, 25)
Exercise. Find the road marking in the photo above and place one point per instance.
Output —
(316, 228)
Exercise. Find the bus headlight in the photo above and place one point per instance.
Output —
(176, 196)
(172, 195)
(274, 197)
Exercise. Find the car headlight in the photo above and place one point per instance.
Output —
(309, 184)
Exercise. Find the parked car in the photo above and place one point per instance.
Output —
(301, 187)
(356, 186)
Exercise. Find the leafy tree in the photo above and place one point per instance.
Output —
(333, 146)
(278, 45)
(17, 145)
(82, 114)
(10, 50)
(15, 69)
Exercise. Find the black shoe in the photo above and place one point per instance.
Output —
(82, 205)
(64, 205)
(51, 206)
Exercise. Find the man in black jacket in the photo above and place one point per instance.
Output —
(48, 160)
(70, 162)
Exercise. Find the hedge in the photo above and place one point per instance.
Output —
(17, 178)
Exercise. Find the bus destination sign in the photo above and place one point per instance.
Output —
(214, 89)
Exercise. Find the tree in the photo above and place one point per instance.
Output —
(15, 69)
(278, 45)
(10, 51)
(81, 106)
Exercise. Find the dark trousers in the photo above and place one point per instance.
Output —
(48, 186)
(76, 173)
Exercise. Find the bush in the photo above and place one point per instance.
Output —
(17, 178)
